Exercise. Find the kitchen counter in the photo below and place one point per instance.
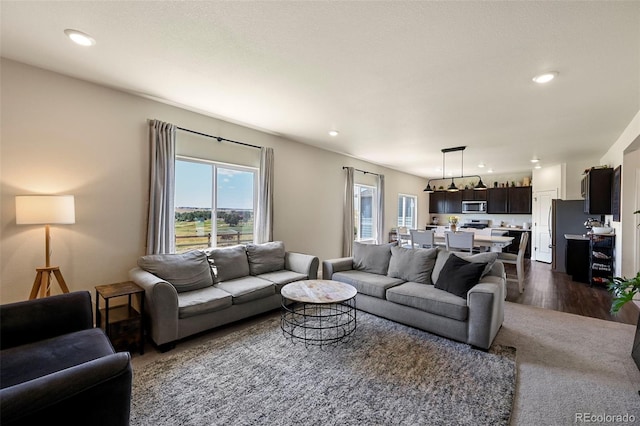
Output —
(510, 228)
(576, 237)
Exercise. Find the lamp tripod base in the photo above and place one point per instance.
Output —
(43, 281)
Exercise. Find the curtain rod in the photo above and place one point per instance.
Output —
(218, 138)
(362, 171)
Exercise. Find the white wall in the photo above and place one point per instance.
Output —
(61, 135)
(625, 152)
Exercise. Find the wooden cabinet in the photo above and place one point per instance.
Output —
(498, 200)
(445, 202)
(514, 200)
(473, 195)
(577, 259)
(515, 245)
(596, 188)
(520, 200)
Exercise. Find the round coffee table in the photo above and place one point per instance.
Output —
(323, 312)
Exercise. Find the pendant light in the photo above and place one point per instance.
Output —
(452, 187)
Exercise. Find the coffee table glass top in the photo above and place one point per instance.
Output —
(318, 291)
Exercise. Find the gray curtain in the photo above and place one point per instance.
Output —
(348, 222)
(380, 220)
(263, 228)
(160, 225)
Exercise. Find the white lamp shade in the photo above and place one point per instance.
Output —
(45, 209)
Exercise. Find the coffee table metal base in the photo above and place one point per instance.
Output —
(319, 324)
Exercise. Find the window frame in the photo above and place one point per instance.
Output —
(414, 225)
(214, 188)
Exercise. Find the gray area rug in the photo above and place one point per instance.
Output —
(386, 374)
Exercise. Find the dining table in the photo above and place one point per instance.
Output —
(492, 242)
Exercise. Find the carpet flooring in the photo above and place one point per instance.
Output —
(386, 374)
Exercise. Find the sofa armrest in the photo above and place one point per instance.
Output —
(39, 319)
(302, 263)
(486, 311)
(160, 305)
(69, 396)
(331, 266)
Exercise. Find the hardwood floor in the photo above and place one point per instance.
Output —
(555, 290)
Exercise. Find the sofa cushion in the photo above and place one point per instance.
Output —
(280, 278)
(412, 264)
(229, 262)
(185, 271)
(27, 362)
(458, 276)
(247, 289)
(367, 283)
(489, 258)
(267, 257)
(371, 258)
(429, 299)
(202, 301)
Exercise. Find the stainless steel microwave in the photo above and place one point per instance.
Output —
(474, 207)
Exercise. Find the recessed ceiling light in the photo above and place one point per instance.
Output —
(490, 171)
(535, 160)
(333, 133)
(537, 166)
(481, 165)
(546, 77)
(78, 37)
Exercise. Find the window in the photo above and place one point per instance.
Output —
(365, 212)
(205, 187)
(407, 211)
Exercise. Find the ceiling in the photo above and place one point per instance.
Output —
(398, 80)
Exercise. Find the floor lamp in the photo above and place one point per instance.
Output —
(46, 210)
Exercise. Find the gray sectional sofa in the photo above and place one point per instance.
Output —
(459, 296)
(198, 290)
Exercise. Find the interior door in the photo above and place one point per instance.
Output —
(542, 225)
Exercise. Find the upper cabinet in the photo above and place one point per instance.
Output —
(596, 191)
(473, 195)
(513, 200)
(445, 202)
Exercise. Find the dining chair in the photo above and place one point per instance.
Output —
(459, 241)
(424, 239)
(518, 260)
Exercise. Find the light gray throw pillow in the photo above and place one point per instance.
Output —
(371, 257)
(412, 264)
(230, 262)
(489, 258)
(185, 271)
(266, 257)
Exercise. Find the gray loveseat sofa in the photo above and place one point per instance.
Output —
(202, 289)
(418, 287)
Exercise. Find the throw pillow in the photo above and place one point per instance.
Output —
(489, 258)
(267, 257)
(412, 264)
(229, 262)
(371, 258)
(185, 271)
(458, 276)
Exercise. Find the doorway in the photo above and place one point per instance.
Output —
(542, 225)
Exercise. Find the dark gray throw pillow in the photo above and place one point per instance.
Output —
(267, 257)
(185, 271)
(413, 265)
(458, 276)
(371, 258)
(487, 258)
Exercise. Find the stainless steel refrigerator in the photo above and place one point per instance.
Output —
(567, 217)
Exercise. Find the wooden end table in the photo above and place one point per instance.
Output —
(123, 324)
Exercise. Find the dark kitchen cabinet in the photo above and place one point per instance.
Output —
(514, 200)
(473, 195)
(596, 188)
(498, 200)
(520, 199)
(577, 259)
(445, 202)
(515, 244)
